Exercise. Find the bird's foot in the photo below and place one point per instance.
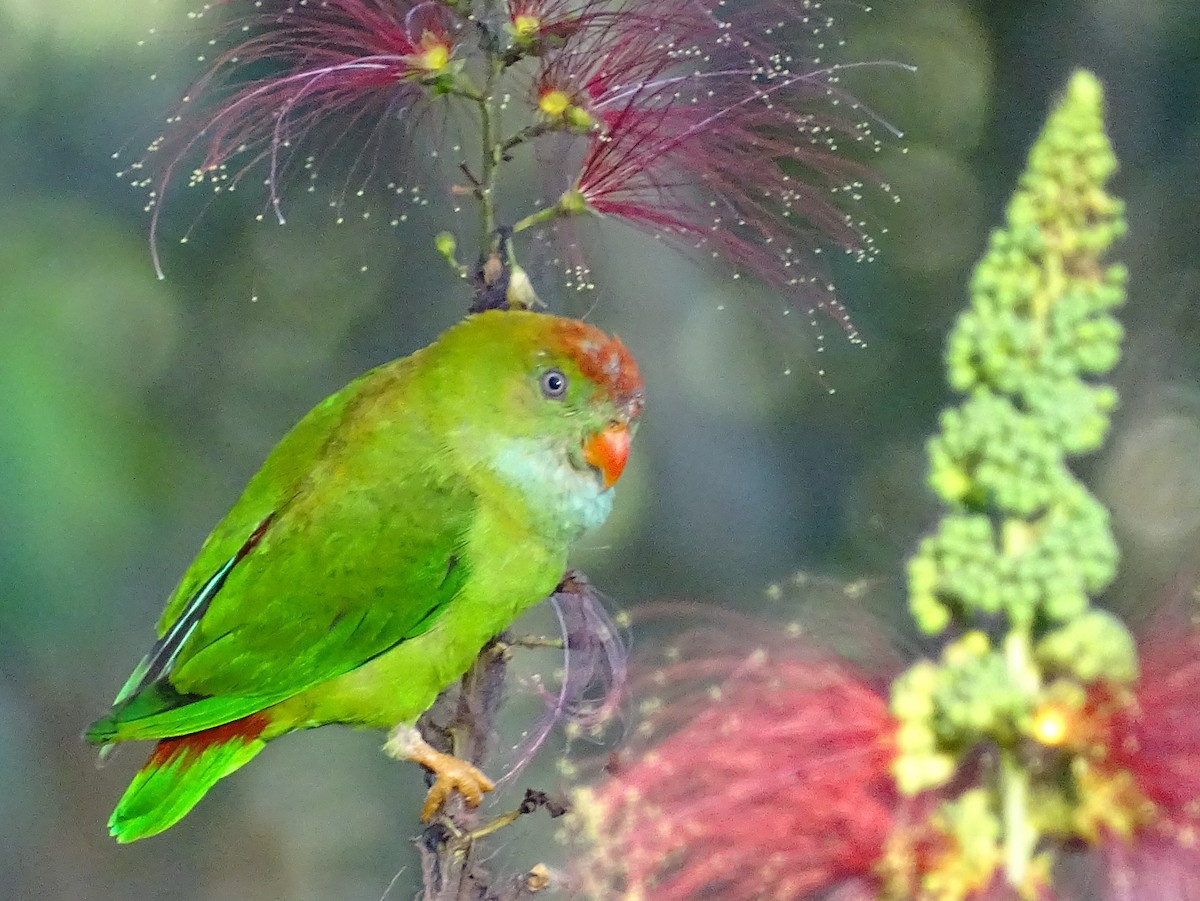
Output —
(453, 774)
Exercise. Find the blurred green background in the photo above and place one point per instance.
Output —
(133, 410)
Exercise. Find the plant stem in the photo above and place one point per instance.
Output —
(491, 154)
(537, 218)
(525, 134)
(1020, 835)
(449, 864)
(1018, 655)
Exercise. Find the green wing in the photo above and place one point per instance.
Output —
(282, 476)
(344, 544)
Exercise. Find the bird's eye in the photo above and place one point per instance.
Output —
(554, 384)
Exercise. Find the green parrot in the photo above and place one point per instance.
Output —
(402, 523)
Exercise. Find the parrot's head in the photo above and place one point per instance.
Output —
(547, 406)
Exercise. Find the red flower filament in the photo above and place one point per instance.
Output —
(337, 63)
(775, 786)
(704, 130)
(706, 127)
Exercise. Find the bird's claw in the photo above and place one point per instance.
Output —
(454, 775)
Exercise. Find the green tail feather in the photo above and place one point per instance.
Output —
(179, 773)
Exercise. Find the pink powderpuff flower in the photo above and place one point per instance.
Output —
(541, 25)
(1155, 868)
(1155, 737)
(703, 123)
(766, 776)
(333, 64)
(711, 129)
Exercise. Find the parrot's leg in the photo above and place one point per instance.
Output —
(453, 774)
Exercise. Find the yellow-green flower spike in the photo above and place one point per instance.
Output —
(1024, 539)
(998, 722)
(971, 852)
(1090, 647)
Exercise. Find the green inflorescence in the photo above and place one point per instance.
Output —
(1024, 547)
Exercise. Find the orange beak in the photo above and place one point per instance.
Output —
(608, 450)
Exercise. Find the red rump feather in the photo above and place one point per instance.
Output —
(187, 749)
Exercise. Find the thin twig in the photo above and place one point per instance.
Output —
(449, 846)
